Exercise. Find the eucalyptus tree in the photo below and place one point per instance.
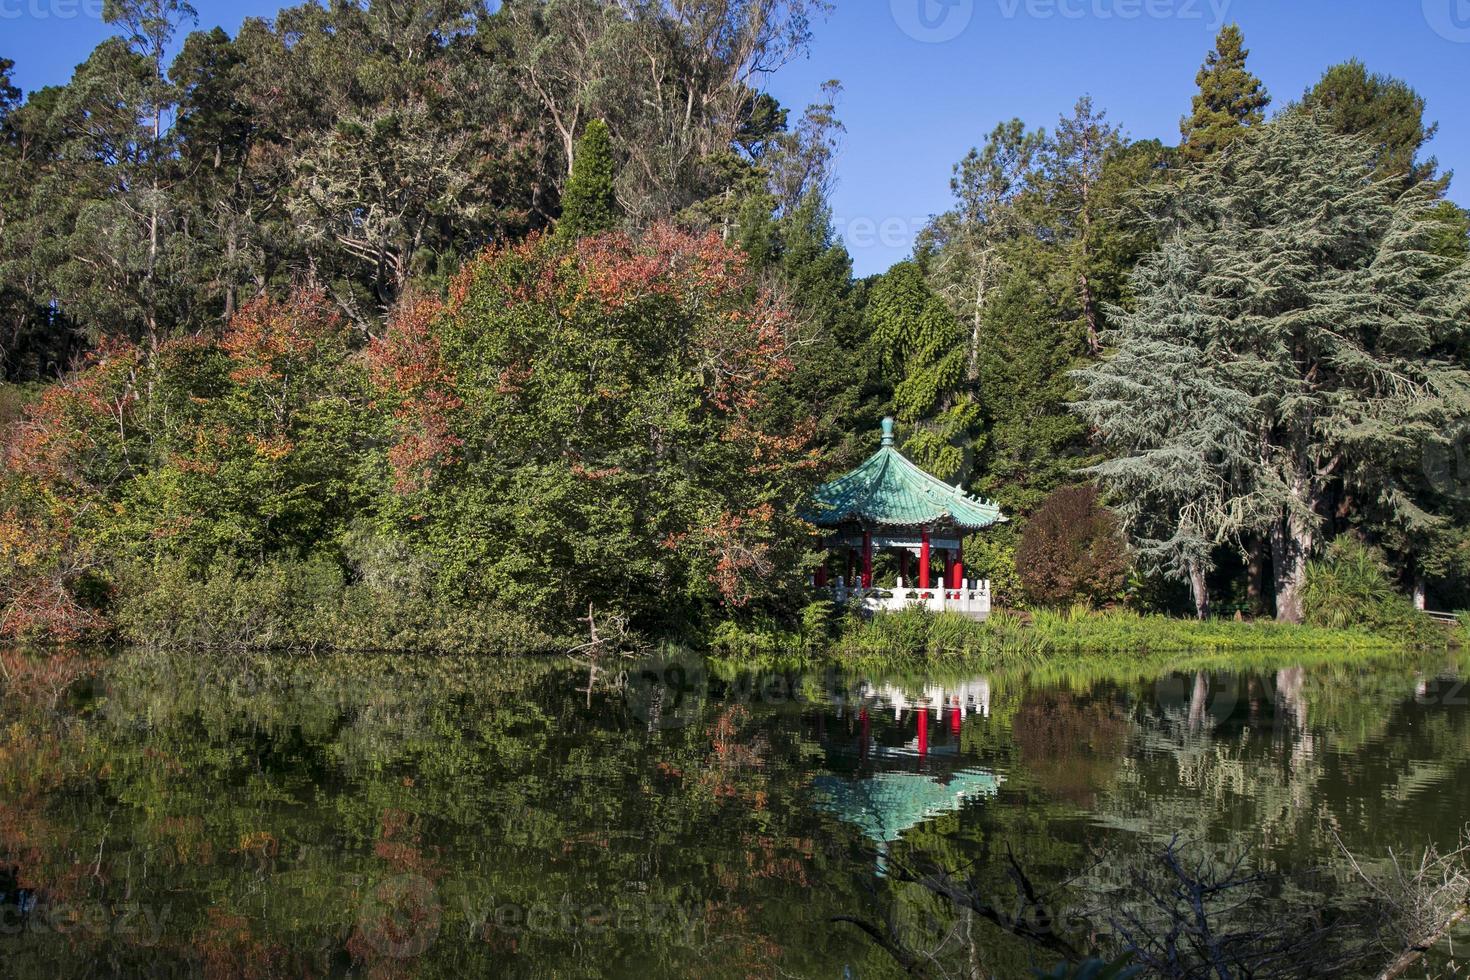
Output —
(676, 83)
(1296, 348)
(965, 248)
(1072, 171)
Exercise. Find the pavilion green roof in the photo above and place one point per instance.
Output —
(886, 804)
(888, 489)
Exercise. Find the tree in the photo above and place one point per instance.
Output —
(1072, 172)
(964, 250)
(922, 354)
(676, 83)
(612, 401)
(149, 27)
(1072, 550)
(1383, 110)
(1230, 99)
(588, 205)
(1294, 353)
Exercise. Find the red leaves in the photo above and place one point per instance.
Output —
(407, 364)
(666, 261)
(269, 340)
(741, 546)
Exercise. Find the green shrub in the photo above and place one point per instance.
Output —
(310, 605)
(1352, 587)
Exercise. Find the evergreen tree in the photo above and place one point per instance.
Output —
(9, 96)
(1071, 178)
(921, 351)
(1383, 110)
(1230, 99)
(1295, 352)
(588, 205)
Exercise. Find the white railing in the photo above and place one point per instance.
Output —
(972, 597)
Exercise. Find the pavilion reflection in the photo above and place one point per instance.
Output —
(886, 777)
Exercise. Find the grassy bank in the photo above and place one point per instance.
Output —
(1050, 639)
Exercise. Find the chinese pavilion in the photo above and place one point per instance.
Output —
(890, 504)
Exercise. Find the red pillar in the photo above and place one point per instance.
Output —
(924, 560)
(954, 718)
(923, 729)
(867, 559)
(821, 576)
(959, 564)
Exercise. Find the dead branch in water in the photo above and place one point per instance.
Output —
(612, 637)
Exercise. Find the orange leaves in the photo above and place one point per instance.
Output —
(269, 340)
(664, 261)
(407, 364)
(741, 547)
(52, 437)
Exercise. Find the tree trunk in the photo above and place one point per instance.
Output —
(1255, 577)
(1089, 312)
(1199, 590)
(1291, 544)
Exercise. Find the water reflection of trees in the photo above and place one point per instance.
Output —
(296, 818)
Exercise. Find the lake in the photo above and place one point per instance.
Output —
(365, 816)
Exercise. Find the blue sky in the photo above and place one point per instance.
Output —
(926, 79)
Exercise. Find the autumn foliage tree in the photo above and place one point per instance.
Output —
(198, 451)
(1072, 550)
(592, 424)
(598, 423)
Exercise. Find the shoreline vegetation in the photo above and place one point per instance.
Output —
(916, 638)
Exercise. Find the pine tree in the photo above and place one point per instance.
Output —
(1230, 99)
(1295, 352)
(1384, 110)
(589, 205)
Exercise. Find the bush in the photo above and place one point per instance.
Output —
(992, 556)
(1072, 550)
(1352, 587)
(311, 605)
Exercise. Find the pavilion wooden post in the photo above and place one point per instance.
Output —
(924, 559)
(867, 559)
(959, 564)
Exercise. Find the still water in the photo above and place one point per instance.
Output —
(370, 817)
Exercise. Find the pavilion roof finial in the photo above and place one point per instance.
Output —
(888, 430)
